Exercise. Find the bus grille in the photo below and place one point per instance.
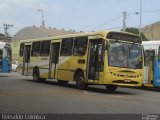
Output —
(124, 82)
(126, 75)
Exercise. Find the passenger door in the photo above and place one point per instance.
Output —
(54, 58)
(26, 59)
(149, 67)
(96, 59)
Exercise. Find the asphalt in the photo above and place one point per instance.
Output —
(20, 94)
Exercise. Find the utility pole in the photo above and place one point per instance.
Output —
(7, 37)
(43, 22)
(140, 18)
(6, 27)
(124, 20)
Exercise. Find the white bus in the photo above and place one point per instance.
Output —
(152, 63)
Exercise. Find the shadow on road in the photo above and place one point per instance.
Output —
(91, 88)
(4, 76)
(153, 89)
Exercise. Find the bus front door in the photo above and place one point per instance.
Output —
(26, 59)
(95, 61)
(149, 67)
(53, 62)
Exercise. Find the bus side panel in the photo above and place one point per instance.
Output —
(68, 66)
(15, 50)
(65, 75)
(43, 65)
(106, 79)
(157, 73)
(64, 68)
(20, 65)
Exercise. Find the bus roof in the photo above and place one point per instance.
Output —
(153, 42)
(151, 45)
(102, 32)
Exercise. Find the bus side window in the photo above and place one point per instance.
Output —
(45, 48)
(67, 47)
(21, 49)
(35, 48)
(159, 53)
(80, 46)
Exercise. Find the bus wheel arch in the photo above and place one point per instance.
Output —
(80, 79)
(36, 75)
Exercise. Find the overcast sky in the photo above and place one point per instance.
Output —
(85, 15)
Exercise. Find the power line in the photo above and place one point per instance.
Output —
(106, 23)
(114, 19)
(95, 24)
(124, 21)
(149, 11)
(120, 27)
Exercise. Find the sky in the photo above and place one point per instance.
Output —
(78, 15)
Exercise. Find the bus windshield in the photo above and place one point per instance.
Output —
(126, 55)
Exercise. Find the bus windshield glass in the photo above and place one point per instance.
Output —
(126, 55)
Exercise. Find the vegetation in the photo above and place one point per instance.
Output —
(136, 31)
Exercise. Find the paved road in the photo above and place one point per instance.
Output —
(19, 94)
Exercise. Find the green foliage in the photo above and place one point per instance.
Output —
(136, 31)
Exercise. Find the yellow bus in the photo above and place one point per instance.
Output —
(109, 58)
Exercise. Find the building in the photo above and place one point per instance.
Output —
(152, 31)
(38, 32)
(4, 38)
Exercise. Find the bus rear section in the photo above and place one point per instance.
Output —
(151, 63)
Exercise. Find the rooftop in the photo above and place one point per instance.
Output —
(39, 32)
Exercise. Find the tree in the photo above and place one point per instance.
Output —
(136, 31)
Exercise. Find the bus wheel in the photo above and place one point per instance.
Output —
(111, 87)
(36, 75)
(80, 82)
(62, 82)
(143, 87)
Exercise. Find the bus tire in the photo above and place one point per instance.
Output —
(80, 81)
(62, 82)
(111, 88)
(36, 76)
(143, 87)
